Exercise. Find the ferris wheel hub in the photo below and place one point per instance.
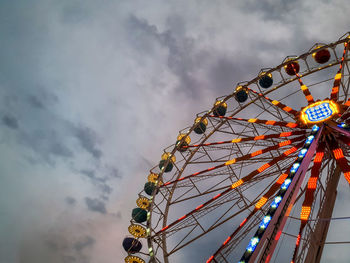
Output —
(318, 112)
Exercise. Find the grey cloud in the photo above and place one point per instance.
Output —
(271, 10)
(114, 173)
(35, 102)
(10, 122)
(75, 13)
(86, 242)
(46, 143)
(88, 140)
(95, 205)
(70, 200)
(100, 182)
(182, 57)
(69, 259)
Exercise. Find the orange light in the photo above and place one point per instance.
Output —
(318, 157)
(261, 202)
(256, 153)
(312, 183)
(305, 212)
(285, 134)
(309, 98)
(281, 178)
(347, 176)
(290, 151)
(287, 109)
(338, 153)
(263, 168)
(284, 143)
(270, 122)
(291, 125)
(236, 184)
(261, 137)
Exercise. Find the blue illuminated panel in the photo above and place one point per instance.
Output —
(319, 112)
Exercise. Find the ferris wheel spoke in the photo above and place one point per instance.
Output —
(265, 122)
(221, 220)
(340, 159)
(262, 201)
(235, 185)
(309, 195)
(338, 76)
(303, 87)
(277, 103)
(250, 138)
(239, 159)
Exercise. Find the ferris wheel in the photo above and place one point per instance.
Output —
(263, 165)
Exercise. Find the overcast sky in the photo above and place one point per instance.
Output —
(92, 91)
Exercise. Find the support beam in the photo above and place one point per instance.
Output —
(318, 237)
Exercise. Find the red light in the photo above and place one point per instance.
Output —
(278, 235)
(243, 222)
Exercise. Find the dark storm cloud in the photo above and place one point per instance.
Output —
(10, 122)
(95, 205)
(86, 242)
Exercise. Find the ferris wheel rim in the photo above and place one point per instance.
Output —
(241, 108)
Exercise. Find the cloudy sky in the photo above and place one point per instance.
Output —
(92, 91)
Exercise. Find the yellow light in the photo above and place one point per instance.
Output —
(315, 108)
(230, 162)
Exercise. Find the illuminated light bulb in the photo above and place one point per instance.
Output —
(276, 201)
(295, 167)
(302, 153)
(286, 184)
(315, 128)
(265, 222)
(309, 139)
(252, 244)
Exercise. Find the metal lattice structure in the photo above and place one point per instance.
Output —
(234, 178)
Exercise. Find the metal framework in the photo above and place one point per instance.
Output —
(259, 172)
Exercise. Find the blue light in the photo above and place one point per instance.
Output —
(286, 183)
(265, 222)
(252, 244)
(343, 125)
(294, 168)
(302, 153)
(276, 201)
(309, 139)
(315, 128)
(319, 112)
